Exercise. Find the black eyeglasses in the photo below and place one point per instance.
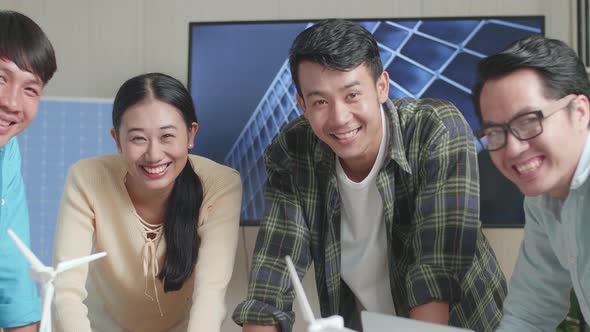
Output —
(524, 126)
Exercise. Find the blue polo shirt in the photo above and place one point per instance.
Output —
(19, 302)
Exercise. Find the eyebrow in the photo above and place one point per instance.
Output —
(345, 87)
(519, 113)
(35, 79)
(142, 129)
(135, 129)
(350, 85)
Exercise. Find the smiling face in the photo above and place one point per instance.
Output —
(545, 164)
(154, 140)
(344, 110)
(20, 93)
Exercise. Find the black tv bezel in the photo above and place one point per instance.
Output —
(438, 18)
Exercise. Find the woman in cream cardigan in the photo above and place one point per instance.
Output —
(168, 221)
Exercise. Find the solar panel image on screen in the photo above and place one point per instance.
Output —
(240, 112)
(63, 132)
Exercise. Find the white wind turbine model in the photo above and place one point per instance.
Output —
(45, 275)
(333, 323)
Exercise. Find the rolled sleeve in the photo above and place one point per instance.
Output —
(446, 220)
(260, 313)
(282, 232)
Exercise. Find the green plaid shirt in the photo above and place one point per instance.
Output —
(430, 190)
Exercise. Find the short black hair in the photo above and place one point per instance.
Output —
(23, 42)
(336, 44)
(559, 67)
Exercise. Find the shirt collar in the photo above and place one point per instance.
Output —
(583, 168)
(396, 150)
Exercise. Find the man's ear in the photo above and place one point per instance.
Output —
(116, 139)
(581, 112)
(382, 86)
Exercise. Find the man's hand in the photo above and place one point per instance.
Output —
(434, 312)
(26, 328)
(259, 328)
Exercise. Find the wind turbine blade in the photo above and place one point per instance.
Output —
(48, 291)
(33, 260)
(301, 298)
(66, 265)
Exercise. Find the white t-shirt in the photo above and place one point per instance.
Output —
(365, 267)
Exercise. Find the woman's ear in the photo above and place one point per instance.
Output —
(116, 139)
(192, 132)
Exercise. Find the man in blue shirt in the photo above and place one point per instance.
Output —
(27, 63)
(535, 115)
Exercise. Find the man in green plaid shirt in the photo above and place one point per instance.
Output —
(381, 196)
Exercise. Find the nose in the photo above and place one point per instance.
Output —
(154, 152)
(10, 98)
(514, 147)
(339, 114)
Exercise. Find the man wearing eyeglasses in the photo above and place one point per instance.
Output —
(533, 106)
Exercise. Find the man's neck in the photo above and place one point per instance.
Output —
(359, 171)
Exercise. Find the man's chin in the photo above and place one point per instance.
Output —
(532, 189)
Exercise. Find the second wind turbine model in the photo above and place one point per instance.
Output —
(45, 275)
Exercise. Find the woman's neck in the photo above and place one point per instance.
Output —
(149, 204)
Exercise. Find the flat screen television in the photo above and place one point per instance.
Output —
(240, 81)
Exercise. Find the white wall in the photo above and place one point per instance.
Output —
(101, 43)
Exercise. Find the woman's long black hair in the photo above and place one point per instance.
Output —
(182, 207)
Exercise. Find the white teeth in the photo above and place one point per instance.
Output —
(524, 168)
(4, 122)
(347, 135)
(155, 170)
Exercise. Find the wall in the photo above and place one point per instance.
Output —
(102, 43)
